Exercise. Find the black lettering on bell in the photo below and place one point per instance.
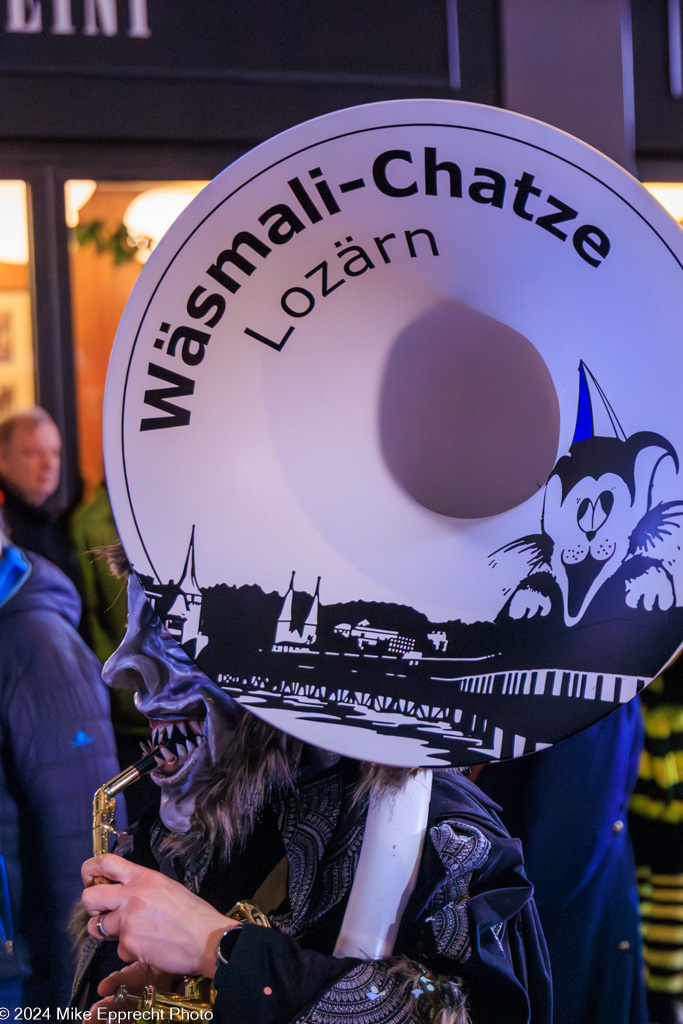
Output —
(410, 235)
(379, 173)
(550, 220)
(159, 399)
(285, 224)
(488, 192)
(198, 309)
(326, 287)
(237, 259)
(432, 168)
(588, 236)
(525, 188)
(194, 344)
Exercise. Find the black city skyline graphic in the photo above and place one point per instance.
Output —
(477, 690)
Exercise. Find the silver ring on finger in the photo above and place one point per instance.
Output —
(100, 926)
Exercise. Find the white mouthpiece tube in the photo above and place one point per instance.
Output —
(387, 869)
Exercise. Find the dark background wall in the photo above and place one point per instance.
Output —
(197, 70)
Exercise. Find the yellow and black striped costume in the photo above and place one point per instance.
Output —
(656, 825)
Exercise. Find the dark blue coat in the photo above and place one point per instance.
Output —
(56, 748)
(568, 805)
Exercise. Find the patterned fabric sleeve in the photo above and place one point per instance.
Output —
(401, 991)
(462, 849)
(389, 992)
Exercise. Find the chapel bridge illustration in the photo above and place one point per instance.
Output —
(386, 667)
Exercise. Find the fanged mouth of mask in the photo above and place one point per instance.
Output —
(177, 741)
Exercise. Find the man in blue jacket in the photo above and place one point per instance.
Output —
(56, 748)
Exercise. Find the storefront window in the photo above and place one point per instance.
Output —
(670, 195)
(114, 225)
(17, 387)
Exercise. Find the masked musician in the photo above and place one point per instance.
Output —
(243, 804)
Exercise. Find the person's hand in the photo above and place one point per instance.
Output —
(155, 919)
(135, 977)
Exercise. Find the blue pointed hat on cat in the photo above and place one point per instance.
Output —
(600, 443)
(595, 417)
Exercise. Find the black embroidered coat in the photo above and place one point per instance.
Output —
(471, 916)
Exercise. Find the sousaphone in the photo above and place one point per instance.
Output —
(392, 432)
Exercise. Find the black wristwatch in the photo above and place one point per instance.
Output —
(226, 944)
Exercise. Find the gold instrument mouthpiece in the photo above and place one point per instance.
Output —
(146, 763)
(104, 802)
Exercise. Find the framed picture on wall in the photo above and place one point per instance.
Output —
(16, 352)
